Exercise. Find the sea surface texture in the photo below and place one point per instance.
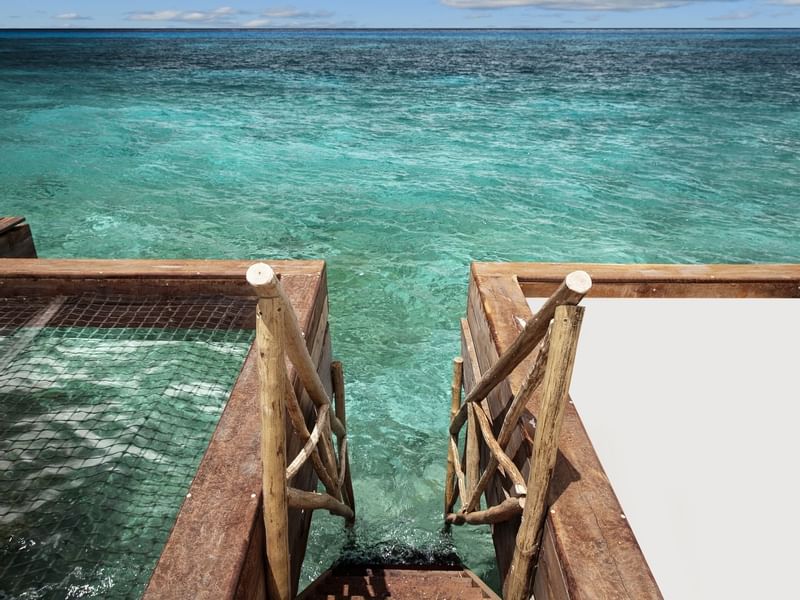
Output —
(399, 157)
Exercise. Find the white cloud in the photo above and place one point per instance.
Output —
(621, 5)
(221, 15)
(735, 15)
(71, 16)
(290, 17)
(292, 13)
(258, 23)
(284, 17)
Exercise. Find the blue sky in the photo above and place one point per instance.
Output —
(403, 13)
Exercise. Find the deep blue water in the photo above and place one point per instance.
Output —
(399, 157)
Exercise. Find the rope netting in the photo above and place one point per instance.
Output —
(106, 408)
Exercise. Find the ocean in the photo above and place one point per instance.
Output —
(399, 157)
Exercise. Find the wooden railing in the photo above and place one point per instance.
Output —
(278, 335)
(467, 478)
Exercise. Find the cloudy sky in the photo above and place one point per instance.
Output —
(402, 13)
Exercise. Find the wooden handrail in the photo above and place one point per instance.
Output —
(508, 509)
(510, 421)
(270, 338)
(552, 370)
(264, 281)
(455, 404)
(574, 287)
(337, 377)
(278, 335)
(314, 501)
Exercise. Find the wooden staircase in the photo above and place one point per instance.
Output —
(412, 583)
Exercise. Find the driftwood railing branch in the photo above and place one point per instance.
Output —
(571, 291)
(552, 371)
(278, 335)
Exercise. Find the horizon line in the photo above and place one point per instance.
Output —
(67, 28)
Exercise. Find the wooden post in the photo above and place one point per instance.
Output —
(337, 376)
(272, 387)
(473, 452)
(563, 344)
(574, 287)
(455, 404)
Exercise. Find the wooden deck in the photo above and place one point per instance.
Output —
(588, 549)
(16, 240)
(411, 583)
(216, 547)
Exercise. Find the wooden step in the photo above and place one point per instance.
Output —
(351, 583)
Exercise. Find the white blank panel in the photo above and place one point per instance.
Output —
(692, 406)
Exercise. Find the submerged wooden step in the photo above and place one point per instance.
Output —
(351, 583)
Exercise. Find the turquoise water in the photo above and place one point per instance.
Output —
(101, 431)
(399, 157)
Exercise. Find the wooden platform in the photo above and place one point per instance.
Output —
(589, 549)
(16, 240)
(417, 583)
(216, 547)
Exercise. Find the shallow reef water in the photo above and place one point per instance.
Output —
(399, 157)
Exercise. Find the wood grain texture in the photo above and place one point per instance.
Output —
(7, 223)
(550, 583)
(479, 352)
(16, 241)
(509, 508)
(337, 377)
(314, 501)
(455, 403)
(642, 273)
(537, 280)
(167, 277)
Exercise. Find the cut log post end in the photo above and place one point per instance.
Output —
(579, 282)
(263, 280)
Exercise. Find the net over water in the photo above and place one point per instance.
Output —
(105, 413)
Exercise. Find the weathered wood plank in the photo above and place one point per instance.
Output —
(159, 277)
(7, 223)
(642, 273)
(17, 243)
(479, 352)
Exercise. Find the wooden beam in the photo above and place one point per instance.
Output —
(497, 451)
(173, 278)
(337, 377)
(205, 558)
(504, 511)
(296, 347)
(314, 501)
(310, 444)
(472, 451)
